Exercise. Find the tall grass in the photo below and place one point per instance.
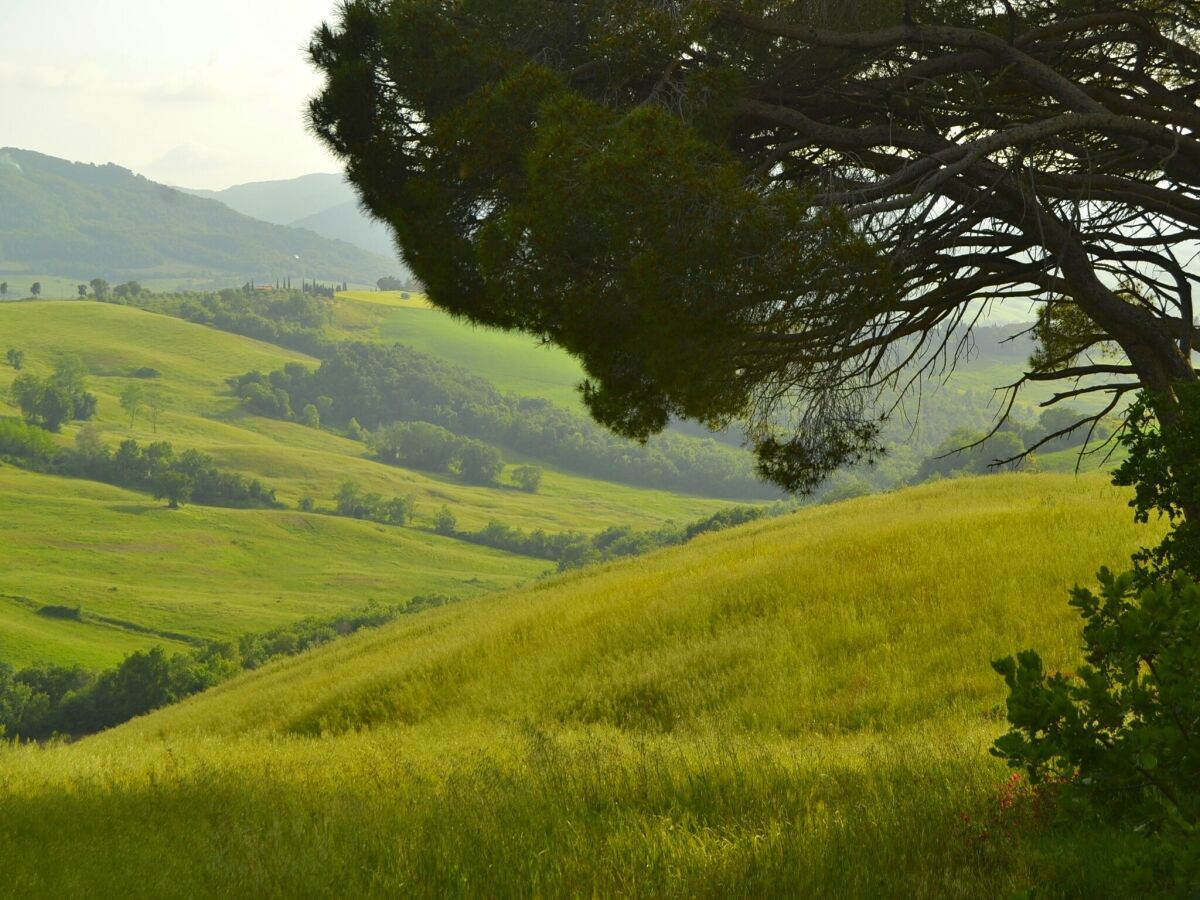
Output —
(794, 708)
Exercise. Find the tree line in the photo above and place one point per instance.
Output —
(574, 549)
(373, 387)
(156, 468)
(43, 701)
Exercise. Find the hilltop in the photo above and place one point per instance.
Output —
(81, 221)
(795, 708)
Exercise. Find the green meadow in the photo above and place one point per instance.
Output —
(143, 574)
(800, 707)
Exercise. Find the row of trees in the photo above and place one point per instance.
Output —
(420, 445)
(354, 502)
(40, 702)
(574, 550)
(1009, 447)
(190, 476)
(102, 290)
(374, 387)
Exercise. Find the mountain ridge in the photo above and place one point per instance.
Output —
(82, 220)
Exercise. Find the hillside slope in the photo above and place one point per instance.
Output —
(215, 573)
(85, 221)
(283, 201)
(795, 708)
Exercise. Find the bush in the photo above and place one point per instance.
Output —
(25, 442)
(1123, 732)
(72, 613)
(445, 523)
(479, 463)
(527, 478)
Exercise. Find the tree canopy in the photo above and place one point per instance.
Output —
(779, 213)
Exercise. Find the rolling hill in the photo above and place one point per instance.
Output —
(794, 708)
(142, 573)
(83, 221)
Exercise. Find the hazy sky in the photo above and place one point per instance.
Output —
(205, 93)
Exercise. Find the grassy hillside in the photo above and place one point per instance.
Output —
(200, 412)
(795, 708)
(130, 563)
(205, 572)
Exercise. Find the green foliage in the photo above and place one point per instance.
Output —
(574, 550)
(43, 701)
(973, 453)
(479, 463)
(310, 417)
(294, 319)
(418, 403)
(1161, 467)
(175, 486)
(36, 289)
(1122, 733)
(51, 402)
(189, 476)
(445, 523)
(527, 478)
(25, 443)
(130, 290)
(132, 399)
(621, 229)
(101, 289)
(16, 358)
(352, 501)
(417, 445)
(42, 402)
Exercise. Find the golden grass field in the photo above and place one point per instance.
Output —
(800, 707)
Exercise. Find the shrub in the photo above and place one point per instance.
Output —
(73, 613)
(527, 478)
(1123, 733)
(1124, 730)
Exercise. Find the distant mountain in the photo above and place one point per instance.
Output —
(79, 220)
(284, 202)
(346, 222)
(324, 204)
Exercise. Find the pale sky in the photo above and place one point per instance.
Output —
(202, 94)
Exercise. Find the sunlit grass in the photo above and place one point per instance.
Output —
(795, 708)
